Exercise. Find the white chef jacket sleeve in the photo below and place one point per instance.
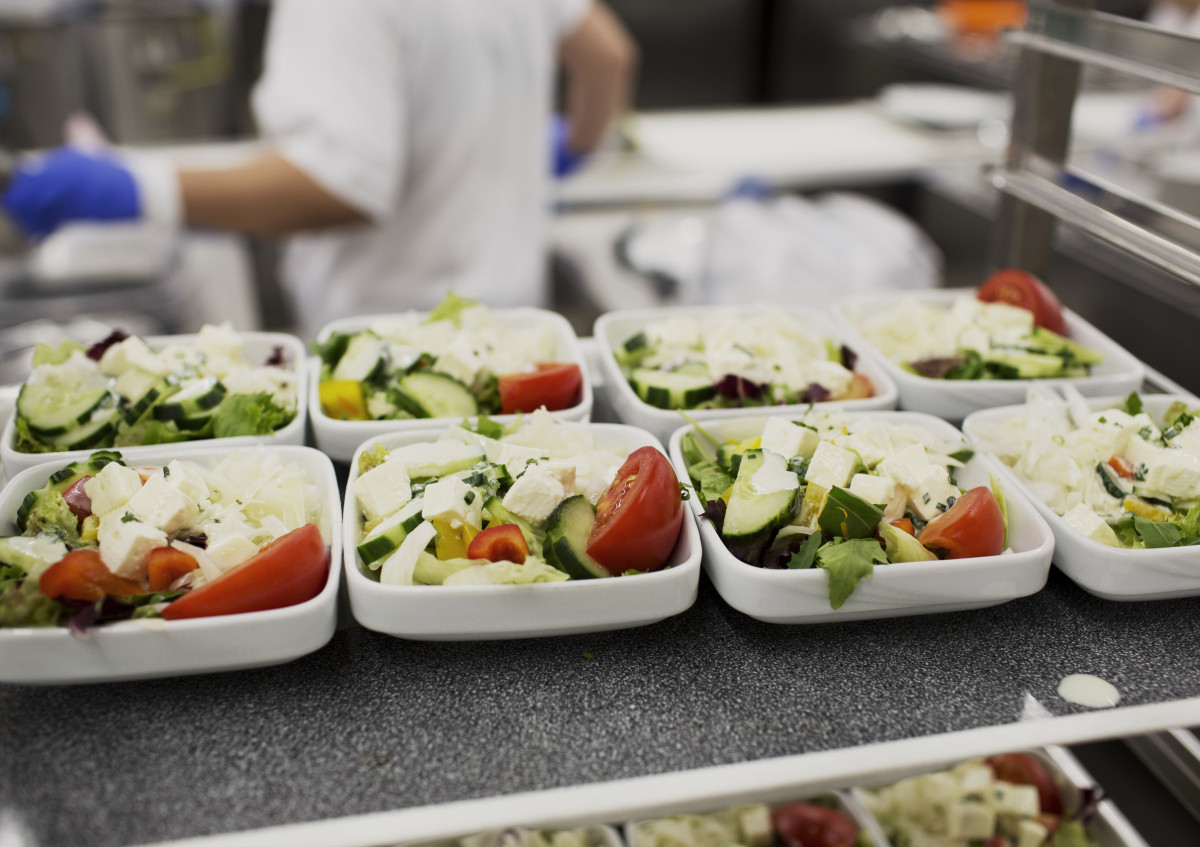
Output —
(568, 14)
(331, 97)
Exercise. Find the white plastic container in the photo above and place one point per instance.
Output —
(257, 348)
(157, 648)
(1109, 572)
(339, 439)
(484, 612)
(614, 328)
(910, 588)
(955, 399)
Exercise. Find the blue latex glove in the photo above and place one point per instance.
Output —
(68, 185)
(566, 161)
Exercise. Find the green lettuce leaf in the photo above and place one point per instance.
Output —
(1133, 404)
(55, 354)
(803, 558)
(848, 563)
(150, 431)
(451, 309)
(249, 414)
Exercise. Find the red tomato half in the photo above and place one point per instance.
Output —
(1026, 291)
(291, 569)
(165, 565)
(973, 526)
(810, 825)
(555, 385)
(1024, 769)
(638, 517)
(82, 575)
(503, 543)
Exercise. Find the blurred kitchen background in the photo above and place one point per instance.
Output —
(845, 140)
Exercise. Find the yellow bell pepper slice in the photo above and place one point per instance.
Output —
(343, 400)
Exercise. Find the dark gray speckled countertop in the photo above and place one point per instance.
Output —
(372, 723)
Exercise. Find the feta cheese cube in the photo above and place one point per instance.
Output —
(1084, 520)
(383, 490)
(562, 471)
(831, 466)
(789, 439)
(534, 495)
(970, 821)
(125, 545)
(134, 383)
(112, 487)
(880, 490)
(189, 480)
(1030, 833)
(161, 505)
(515, 457)
(906, 466)
(460, 361)
(450, 499)
(229, 550)
(1008, 799)
(1175, 476)
(132, 353)
(933, 494)
(594, 473)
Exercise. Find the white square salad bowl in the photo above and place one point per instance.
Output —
(339, 439)
(1112, 573)
(154, 648)
(955, 399)
(613, 329)
(486, 612)
(257, 347)
(911, 588)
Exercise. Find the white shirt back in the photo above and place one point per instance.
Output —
(431, 116)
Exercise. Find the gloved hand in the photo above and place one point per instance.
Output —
(565, 160)
(69, 185)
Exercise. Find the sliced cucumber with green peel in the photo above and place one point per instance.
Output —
(389, 534)
(433, 395)
(191, 407)
(765, 496)
(141, 405)
(53, 410)
(365, 358)
(99, 431)
(670, 389)
(566, 539)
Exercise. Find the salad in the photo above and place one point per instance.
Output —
(491, 505)
(843, 495)
(458, 361)
(1012, 329)
(1009, 800)
(815, 823)
(1116, 475)
(735, 359)
(122, 393)
(101, 541)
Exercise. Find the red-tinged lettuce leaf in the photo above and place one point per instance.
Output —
(847, 563)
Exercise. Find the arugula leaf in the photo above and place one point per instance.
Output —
(848, 563)
(848, 516)
(1133, 404)
(1157, 533)
(1126, 533)
(333, 348)
(451, 309)
(803, 558)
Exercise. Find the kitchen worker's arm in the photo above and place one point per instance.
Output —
(267, 197)
(599, 60)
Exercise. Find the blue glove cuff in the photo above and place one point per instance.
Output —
(68, 185)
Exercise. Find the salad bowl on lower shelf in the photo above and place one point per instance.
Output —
(133, 629)
(452, 535)
(955, 398)
(831, 469)
(1065, 454)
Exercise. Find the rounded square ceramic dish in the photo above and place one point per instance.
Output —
(614, 328)
(1109, 572)
(911, 588)
(1108, 826)
(257, 348)
(339, 439)
(154, 648)
(955, 399)
(843, 802)
(478, 612)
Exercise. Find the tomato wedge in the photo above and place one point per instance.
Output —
(291, 569)
(1122, 466)
(639, 516)
(810, 825)
(555, 385)
(1026, 291)
(82, 575)
(973, 526)
(165, 565)
(1024, 769)
(502, 543)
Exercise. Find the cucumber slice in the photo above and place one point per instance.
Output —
(765, 496)
(99, 431)
(566, 539)
(488, 476)
(388, 535)
(141, 405)
(191, 407)
(671, 390)
(434, 395)
(52, 410)
(365, 358)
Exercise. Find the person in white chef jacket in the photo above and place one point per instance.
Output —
(410, 150)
